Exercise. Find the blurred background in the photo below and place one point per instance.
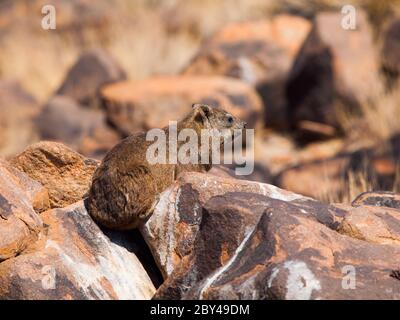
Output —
(324, 99)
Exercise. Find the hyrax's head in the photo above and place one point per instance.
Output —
(215, 118)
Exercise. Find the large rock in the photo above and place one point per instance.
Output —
(93, 69)
(19, 223)
(36, 193)
(334, 177)
(378, 198)
(65, 173)
(335, 72)
(390, 49)
(260, 173)
(380, 223)
(260, 53)
(290, 255)
(319, 179)
(180, 209)
(372, 224)
(85, 130)
(152, 103)
(17, 111)
(218, 238)
(74, 260)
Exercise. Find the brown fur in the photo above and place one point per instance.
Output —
(125, 187)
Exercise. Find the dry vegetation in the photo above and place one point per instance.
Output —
(146, 36)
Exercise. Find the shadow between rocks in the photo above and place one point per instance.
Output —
(133, 241)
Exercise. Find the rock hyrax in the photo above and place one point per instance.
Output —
(126, 187)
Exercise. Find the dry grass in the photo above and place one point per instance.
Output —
(375, 123)
(354, 183)
(382, 116)
(146, 36)
(351, 184)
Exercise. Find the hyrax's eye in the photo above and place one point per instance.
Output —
(229, 119)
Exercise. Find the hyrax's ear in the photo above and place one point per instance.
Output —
(201, 112)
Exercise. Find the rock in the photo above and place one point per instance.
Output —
(378, 198)
(290, 256)
(373, 224)
(152, 103)
(207, 236)
(279, 151)
(335, 72)
(258, 52)
(390, 49)
(36, 194)
(331, 179)
(317, 179)
(64, 120)
(98, 141)
(259, 174)
(17, 110)
(19, 223)
(243, 245)
(74, 260)
(93, 69)
(65, 173)
(180, 209)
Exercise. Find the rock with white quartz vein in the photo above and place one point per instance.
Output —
(174, 225)
(290, 255)
(73, 259)
(221, 238)
(198, 225)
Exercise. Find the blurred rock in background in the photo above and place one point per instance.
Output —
(152, 103)
(335, 72)
(93, 69)
(17, 111)
(260, 53)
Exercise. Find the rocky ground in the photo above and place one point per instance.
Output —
(318, 219)
(211, 237)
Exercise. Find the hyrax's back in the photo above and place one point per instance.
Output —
(124, 186)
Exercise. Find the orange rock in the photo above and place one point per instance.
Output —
(317, 179)
(174, 225)
(222, 238)
(330, 177)
(291, 255)
(19, 223)
(141, 105)
(258, 52)
(37, 194)
(373, 224)
(65, 173)
(74, 260)
(334, 73)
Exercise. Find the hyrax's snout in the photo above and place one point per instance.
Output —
(241, 124)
